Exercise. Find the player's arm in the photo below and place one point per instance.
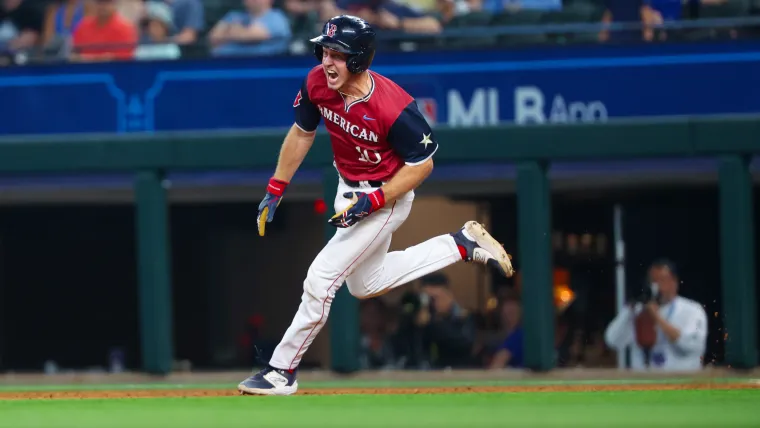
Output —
(412, 138)
(292, 153)
(512, 346)
(500, 359)
(300, 137)
(693, 337)
(220, 32)
(619, 332)
(687, 332)
(297, 143)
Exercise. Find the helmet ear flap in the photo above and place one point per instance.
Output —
(353, 64)
(318, 52)
(357, 63)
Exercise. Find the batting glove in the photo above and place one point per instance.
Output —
(362, 205)
(272, 199)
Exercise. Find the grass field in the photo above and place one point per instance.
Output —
(619, 403)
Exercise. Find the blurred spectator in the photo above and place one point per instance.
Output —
(622, 11)
(408, 339)
(448, 9)
(156, 26)
(105, 35)
(510, 353)
(656, 12)
(664, 330)
(376, 351)
(449, 330)
(385, 14)
(61, 19)
(132, 10)
(21, 24)
(422, 6)
(259, 30)
(189, 20)
(665, 10)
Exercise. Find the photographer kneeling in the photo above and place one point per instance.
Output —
(434, 331)
(666, 332)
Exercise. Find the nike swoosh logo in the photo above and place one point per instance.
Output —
(367, 117)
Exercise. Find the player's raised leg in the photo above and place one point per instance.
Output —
(383, 272)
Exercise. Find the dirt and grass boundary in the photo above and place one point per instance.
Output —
(138, 385)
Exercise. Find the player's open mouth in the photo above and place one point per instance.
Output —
(332, 76)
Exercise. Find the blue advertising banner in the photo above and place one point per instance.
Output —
(470, 88)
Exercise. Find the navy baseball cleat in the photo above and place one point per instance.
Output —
(270, 381)
(479, 246)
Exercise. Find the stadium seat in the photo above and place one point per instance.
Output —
(472, 19)
(216, 9)
(574, 13)
(729, 9)
(520, 18)
(305, 25)
(303, 28)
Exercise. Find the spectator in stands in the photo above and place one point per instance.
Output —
(510, 353)
(188, 17)
(259, 30)
(61, 19)
(156, 26)
(21, 24)
(448, 9)
(384, 14)
(105, 35)
(429, 7)
(656, 12)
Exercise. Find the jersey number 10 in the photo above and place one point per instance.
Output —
(365, 157)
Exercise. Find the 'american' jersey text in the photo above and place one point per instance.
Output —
(372, 137)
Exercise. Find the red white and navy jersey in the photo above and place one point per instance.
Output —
(373, 137)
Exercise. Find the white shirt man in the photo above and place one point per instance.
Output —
(681, 326)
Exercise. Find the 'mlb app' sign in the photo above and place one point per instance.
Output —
(460, 89)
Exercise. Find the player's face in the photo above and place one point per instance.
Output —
(334, 64)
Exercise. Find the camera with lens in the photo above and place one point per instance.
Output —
(650, 292)
(411, 304)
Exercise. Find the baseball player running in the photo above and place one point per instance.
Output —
(383, 150)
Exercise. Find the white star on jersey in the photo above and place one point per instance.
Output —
(426, 140)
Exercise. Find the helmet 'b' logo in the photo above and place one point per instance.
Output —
(332, 29)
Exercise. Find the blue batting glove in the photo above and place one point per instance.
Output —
(362, 205)
(269, 204)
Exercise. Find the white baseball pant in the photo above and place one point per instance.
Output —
(359, 256)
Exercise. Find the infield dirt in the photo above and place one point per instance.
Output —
(180, 393)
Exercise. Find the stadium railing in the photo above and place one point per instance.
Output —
(493, 36)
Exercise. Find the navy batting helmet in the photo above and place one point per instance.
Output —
(349, 35)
